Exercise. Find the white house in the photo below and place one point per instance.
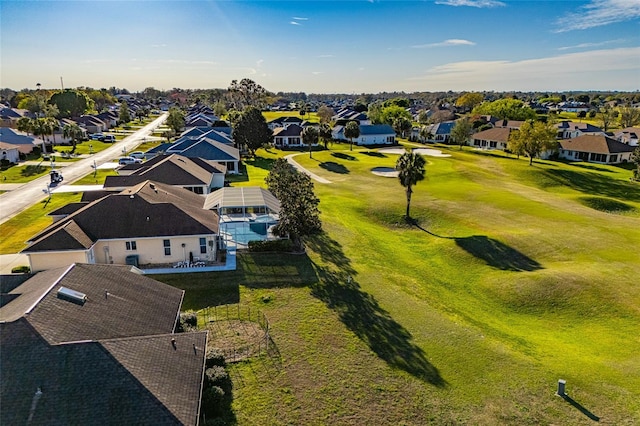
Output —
(595, 149)
(370, 134)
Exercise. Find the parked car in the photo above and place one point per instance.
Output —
(96, 136)
(137, 154)
(123, 161)
(108, 138)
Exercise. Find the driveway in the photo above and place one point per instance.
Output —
(14, 202)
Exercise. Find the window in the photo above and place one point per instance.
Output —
(203, 245)
(167, 247)
(198, 190)
(613, 158)
(493, 144)
(130, 245)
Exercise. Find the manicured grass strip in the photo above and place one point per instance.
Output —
(23, 174)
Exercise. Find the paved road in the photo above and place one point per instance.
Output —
(312, 175)
(23, 197)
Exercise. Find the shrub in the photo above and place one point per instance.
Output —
(270, 246)
(216, 376)
(188, 321)
(214, 357)
(213, 401)
(23, 269)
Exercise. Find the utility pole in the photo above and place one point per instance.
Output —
(61, 83)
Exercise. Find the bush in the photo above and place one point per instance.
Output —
(188, 321)
(215, 376)
(214, 357)
(23, 269)
(213, 399)
(270, 246)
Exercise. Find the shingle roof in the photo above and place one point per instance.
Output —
(598, 144)
(498, 134)
(108, 361)
(290, 130)
(146, 210)
(170, 169)
(376, 129)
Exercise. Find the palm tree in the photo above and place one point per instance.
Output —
(310, 137)
(25, 124)
(402, 125)
(425, 134)
(40, 127)
(74, 132)
(324, 132)
(411, 171)
(352, 130)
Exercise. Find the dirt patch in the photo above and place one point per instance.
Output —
(231, 334)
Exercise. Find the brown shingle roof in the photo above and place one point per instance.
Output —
(498, 134)
(146, 210)
(598, 144)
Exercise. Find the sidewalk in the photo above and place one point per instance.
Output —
(312, 175)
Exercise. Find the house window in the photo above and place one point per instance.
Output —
(167, 247)
(231, 166)
(203, 245)
(613, 158)
(198, 190)
(130, 245)
(493, 144)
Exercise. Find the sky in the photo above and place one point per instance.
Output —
(334, 46)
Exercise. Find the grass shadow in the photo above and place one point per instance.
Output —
(375, 154)
(362, 314)
(607, 205)
(497, 254)
(344, 156)
(582, 165)
(334, 167)
(260, 162)
(581, 408)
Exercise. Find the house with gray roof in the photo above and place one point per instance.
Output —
(151, 225)
(194, 174)
(629, 135)
(22, 141)
(96, 344)
(370, 134)
(572, 129)
(204, 148)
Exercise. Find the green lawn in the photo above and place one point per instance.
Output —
(23, 174)
(516, 277)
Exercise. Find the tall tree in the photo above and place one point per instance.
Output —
(41, 127)
(25, 124)
(402, 125)
(125, 115)
(461, 131)
(423, 117)
(607, 115)
(246, 92)
(325, 114)
(629, 116)
(532, 139)
(411, 170)
(470, 100)
(324, 133)
(375, 112)
(425, 133)
(219, 109)
(73, 132)
(71, 103)
(351, 131)
(310, 137)
(252, 130)
(635, 157)
(299, 215)
(506, 109)
(175, 120)
(304, 110)
(390, 113)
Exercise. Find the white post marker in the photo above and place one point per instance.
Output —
(561, 386)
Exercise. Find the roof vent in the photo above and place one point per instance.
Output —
(72, 295)
(152, 186)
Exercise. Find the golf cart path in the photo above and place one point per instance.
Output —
(312, 175)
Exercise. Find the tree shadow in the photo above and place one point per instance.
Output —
(595, 184)
(275, 270)
(582, 165)
(497, 254)
(344, 156)
(31, 170)
(260, 162)
(362, 314)
(581, 408)
(375, 154)
(334, 167)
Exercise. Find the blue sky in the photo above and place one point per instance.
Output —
(323, 46)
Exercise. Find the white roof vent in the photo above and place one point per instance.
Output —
(72, 295)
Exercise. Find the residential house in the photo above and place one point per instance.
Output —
(595, 149)
(194, 174)
(344, 115)
(204, 148)
(9, 116)
(571, 129)
(288, 136)
(494, 138)
(91, 123)
(148, 224)
(20, 140)
(96, 344)
(440, 132)
(370, 134)
(284, 122)
(9, 152)
(630, 136)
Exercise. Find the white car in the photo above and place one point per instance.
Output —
(123, 161)
(137, 154)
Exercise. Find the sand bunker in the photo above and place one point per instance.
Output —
(422, 151)
(385, 172)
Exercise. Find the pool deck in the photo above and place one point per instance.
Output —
(230, 265)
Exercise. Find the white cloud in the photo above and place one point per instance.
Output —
(585, 45)
(599, 13)
(317, 72)
(450, 42)
(297, 18)
(259, 62)
(592, 70)
(472, 3)
(295, 23)
(325, 56)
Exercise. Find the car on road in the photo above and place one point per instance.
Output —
(137, 154)
(123, 161)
